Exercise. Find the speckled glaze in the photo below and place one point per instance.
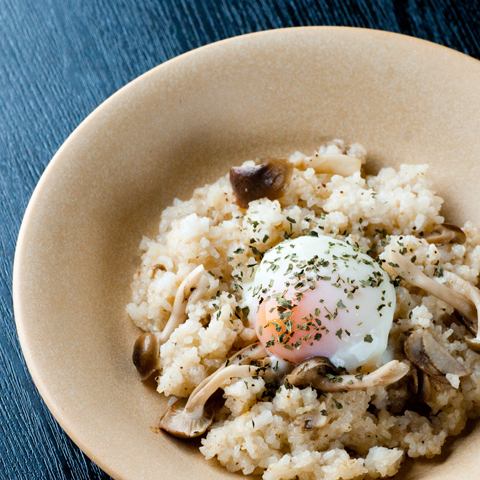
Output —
(181, 125)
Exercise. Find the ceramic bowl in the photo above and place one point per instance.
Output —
(183, 124)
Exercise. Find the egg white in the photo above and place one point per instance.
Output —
(370, 309)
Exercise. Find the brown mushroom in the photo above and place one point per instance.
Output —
(430, 356)
(307, 372)
(146, 350)
(190, 419)
(146, 354)
(446, 233)
(314, 372)
(335, 164)
(267, 179)
(415, 276)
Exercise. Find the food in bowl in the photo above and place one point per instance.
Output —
(309, 321)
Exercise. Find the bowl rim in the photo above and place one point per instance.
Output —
(19, 257)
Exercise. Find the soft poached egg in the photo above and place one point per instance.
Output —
(319, 296)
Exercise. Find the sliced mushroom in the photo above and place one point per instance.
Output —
(146, 350)
(440, 357)
(430, 356)
(190, 419)
(446, 233)
(146, 354)
(473, 294)
(415, 352)
(266, 179)
(315, 374)
(415, 276)
(335, 164)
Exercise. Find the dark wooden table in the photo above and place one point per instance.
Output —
(58, 60)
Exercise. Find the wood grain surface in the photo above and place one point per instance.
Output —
(58, 60)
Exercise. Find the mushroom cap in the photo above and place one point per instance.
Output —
(428, 354)
(184, 423)
(306, 372)
(146, 354)
(267, 179)
(473, 343)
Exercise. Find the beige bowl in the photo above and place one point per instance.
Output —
(181, 125)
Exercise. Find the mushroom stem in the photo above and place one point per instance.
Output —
(216, 380)
(251, 352)
(385, 375)
(446, 233)
(315, 372)
(178, 314)
(473, 294)
(146, 350)
(335, 164)
(413, 275)
(254, 351)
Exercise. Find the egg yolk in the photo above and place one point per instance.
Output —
(296, 326)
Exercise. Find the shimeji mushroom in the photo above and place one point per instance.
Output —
(146, 354)
(461, 295)
(188, 419)
(315, 372)
(146, 350)
(250, 353)
(334, 164)
(415, 276)
(267, 179)
(446, 233)
(473, 294)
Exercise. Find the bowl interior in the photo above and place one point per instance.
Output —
(184, 124)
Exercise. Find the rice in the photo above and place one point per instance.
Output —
(295, 433)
